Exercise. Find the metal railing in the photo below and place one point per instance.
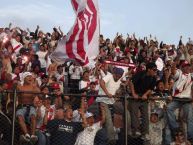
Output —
(124, 100)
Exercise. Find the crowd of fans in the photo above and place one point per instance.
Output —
(156, 77)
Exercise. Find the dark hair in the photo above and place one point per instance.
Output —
(43, 87)
(158, 82)
(151, 65)
(58, 67)
(179, 130)
(36, 56)
(85, 72)
(92, 83)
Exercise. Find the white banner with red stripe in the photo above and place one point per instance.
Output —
(16, 46)
(129, 65)
(82, 42)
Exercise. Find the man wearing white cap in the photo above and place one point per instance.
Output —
(26, 110)
(87, 136)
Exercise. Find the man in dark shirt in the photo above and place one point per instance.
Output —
(142, 85)
(62, 130)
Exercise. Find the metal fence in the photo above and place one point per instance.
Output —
(122, 116)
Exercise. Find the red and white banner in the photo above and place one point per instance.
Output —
(16, 46)
(129, 65)
(82, 42)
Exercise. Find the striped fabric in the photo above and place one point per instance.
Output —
(16, 46)
(82, 42)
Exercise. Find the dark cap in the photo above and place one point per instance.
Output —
(118, 71)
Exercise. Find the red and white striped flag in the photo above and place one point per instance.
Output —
(16, 46)
(82, 42)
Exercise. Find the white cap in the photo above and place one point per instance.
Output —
(25, 74)
(88, 114)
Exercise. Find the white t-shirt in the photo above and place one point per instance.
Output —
(87, 136)
(111, 87)
(83, 84)
(42, 55)
(183, 85)
(155, 131)
(173, 143)
(75, 74)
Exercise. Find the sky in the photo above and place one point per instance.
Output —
(165, 19)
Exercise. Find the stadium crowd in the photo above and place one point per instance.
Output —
(156, 77)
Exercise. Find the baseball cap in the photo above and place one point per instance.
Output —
(118, 71)
(55, 86)
(89, 114)
(25, 74)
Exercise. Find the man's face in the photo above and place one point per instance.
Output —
(186, 69)
(57, 91)
(154, 118)
(86, 76)
(45, 90)
(161, 86)
(93, 87)
(69, 114)
(18, 38)
(117, 77)
(153, 71)
(60, 70)
(90, 120)
(47, 102)
(42, 48)
(19, 61)
(28, 79)
(16, 70)
(180, 137)
(60, 114)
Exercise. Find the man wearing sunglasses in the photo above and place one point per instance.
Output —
(142, 85)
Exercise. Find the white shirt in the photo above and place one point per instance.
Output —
(75, 74)
(155, 129)
(160, 64)
(102, 74)
(83, 84)
(42, 55)
(173, 143)
(111, 87)
(87, 136)
(183, 85)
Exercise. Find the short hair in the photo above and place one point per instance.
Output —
(151, 65)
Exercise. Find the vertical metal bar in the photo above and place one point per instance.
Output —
(13, 120)
(125, 119)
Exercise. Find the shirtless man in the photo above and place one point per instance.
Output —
(26, 110)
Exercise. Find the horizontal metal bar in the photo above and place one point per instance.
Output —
(82, 95)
